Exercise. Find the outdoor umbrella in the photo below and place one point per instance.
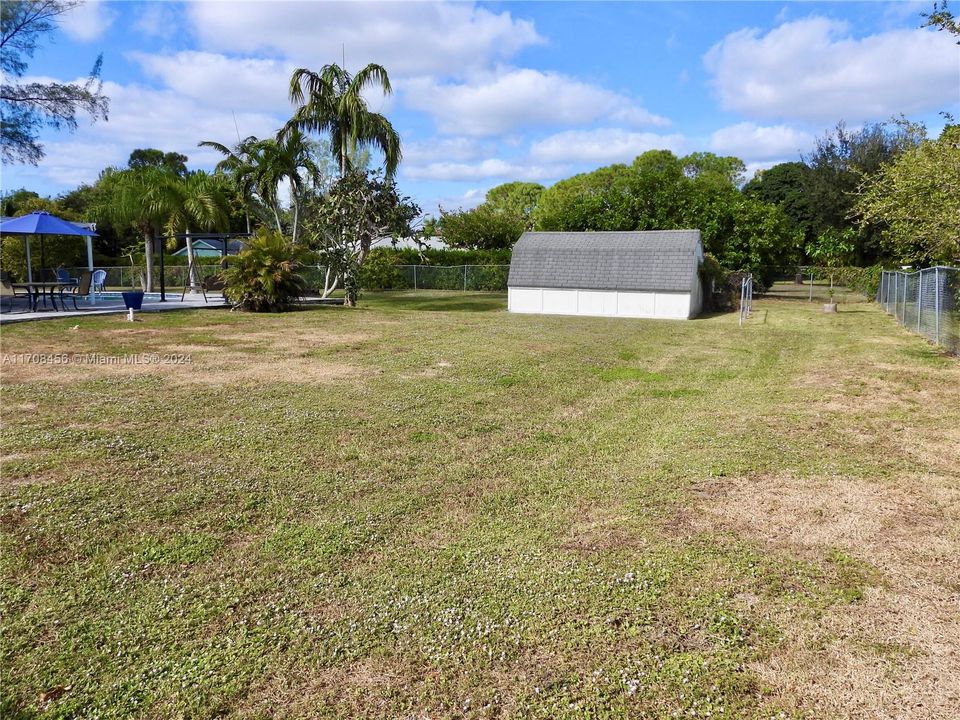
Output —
(43, 223)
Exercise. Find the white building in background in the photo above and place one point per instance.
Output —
(649, 274)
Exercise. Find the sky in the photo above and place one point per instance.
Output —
(486, 93)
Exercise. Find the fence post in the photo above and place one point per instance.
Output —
(811, 287)
(743, 294)
(464, 278)
(936, 300)
(414, 277)
(919, 298)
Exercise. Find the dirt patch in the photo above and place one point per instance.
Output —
(365, 684)
(601, 529)
(232, 370)
(894, 653)
(220, 368)
(296, 342)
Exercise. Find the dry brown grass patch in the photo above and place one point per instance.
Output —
(895, 653)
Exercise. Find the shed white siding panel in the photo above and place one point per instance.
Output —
(636, 304)
(553, 301)
(597, 302)
(525, 300)
(672, 305)
(560, 302)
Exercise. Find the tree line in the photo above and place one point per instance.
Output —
(884, 193)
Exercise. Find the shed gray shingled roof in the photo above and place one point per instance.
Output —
(652, 260)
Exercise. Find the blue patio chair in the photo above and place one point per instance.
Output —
(99, 280)
(63, 275)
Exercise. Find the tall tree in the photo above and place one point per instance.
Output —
(139, 198)
(839, 163)
(238, 166)
(151, 157)
(27, 107)
(916, 199)
(288, 157)
(731, 169)
(260, 167)
(342, 224)
(197, 201)
(331, 102)
(785, 185)
(515, 198)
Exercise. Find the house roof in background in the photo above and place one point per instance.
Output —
(655, 260)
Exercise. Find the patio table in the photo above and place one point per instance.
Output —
(38, 290)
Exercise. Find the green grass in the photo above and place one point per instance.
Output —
(425, 506)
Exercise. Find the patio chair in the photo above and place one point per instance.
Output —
(63, 275)
(99, 281)
(8, 293)
(81, 289)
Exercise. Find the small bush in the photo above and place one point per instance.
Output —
(264, 277)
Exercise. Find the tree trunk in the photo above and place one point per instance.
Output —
(148, 257)
(328, 286)
(343, 158)
(191, 264)
(296, 216)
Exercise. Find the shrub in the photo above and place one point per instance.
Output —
(264, 277)
(380, 272)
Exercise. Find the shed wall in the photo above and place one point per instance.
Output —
(604, 303)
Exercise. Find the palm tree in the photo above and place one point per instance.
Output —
(331, 101)
(134, 197)
(237, 165)
(290, 157)
(259, 167)
(196, 200)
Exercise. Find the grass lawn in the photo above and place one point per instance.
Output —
(428, 508)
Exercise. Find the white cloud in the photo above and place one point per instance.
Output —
(140, 117)
(603, 146)
(456, 149)
(88, 21)
(220, 81)
(407, 38)
(485, 169)
(467, 201)
(755, 142)
(815, 69)
(495, 104)
(158, 19)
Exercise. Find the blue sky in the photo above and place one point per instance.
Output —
(491, 92)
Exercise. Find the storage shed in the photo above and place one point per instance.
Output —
(649, 274)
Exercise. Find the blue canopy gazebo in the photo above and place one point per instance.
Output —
(43, 223)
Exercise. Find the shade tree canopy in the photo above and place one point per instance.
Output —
(916, 200)
(27, 107)
(660, 191)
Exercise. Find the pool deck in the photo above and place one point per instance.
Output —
(110, 306)
(114, 306)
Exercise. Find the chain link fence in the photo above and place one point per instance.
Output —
(455, 277)
(926, 302)
(125, 277)
(818, 284)
(402, 277)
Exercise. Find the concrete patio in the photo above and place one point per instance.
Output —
(109, 306)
